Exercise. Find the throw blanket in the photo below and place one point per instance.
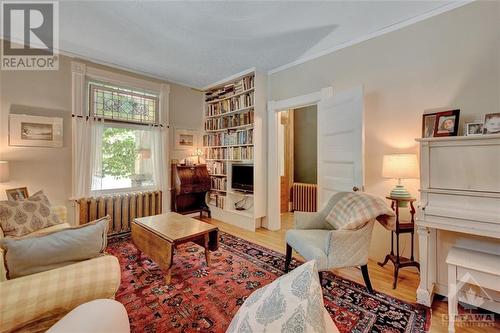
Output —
(350, 211)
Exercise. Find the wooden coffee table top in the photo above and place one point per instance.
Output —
(174, 227)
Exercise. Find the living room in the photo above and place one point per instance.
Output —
(149, 154)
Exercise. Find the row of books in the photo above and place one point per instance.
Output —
(216, 199)
(230, 153)
(223, 92)
(239, 119)
(230, 89)
(219, 183)
(216, 168)
(244, 137)
(244, 84)
(228, 105)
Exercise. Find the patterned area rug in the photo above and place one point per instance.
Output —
(205, 299)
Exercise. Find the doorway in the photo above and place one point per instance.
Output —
(297, 140)
(340, 146)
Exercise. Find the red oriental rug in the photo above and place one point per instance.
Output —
(205, 299)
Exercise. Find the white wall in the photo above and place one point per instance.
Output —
(49, 93)
(452, 59)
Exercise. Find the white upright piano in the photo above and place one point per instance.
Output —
(459, 205)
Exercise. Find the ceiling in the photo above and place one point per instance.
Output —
(198, 43)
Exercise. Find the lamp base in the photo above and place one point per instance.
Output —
(399, 192)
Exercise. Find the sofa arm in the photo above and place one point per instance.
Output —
(349, 248)
(30, 297)
(307, 220)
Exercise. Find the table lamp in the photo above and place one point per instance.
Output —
(400, 166)
(4, 171)
(197, 152)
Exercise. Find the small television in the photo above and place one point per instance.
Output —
(242, 177)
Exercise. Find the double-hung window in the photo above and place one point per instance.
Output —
(124, 148)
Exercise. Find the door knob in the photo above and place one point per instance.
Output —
(355, 189)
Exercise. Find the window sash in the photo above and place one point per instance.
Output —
(154, 186)
(94, 87)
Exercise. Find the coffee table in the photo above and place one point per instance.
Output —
(158, 235)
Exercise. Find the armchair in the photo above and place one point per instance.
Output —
(314, 238)
(30, 297)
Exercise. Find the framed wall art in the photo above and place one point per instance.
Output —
(35, 131)
(447, 123)
(186, 139)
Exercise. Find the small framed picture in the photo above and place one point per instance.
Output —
(474, 128)
(35, 131)
(428, 125)
(16, 194)
(492, 123)
(447, 123)
(185, 139)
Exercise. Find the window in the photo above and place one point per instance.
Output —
(120, 104)
(124, 137)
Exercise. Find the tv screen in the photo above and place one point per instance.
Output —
(242, 177)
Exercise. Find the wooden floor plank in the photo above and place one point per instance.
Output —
(381, 277)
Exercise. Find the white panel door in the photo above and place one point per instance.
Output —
(340, 144)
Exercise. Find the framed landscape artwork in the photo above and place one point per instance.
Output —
(35, 131)
(185, 139)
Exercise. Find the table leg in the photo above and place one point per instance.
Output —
(207, 251)
(170, 254)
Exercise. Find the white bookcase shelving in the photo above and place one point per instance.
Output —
(235, 117)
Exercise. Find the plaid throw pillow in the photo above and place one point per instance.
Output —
(352, 211)
(19, 218)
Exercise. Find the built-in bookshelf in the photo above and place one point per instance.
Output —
(233, 112)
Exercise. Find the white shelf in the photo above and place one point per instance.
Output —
(234, 95)
(246, 108)
(242, 145)
(215, 190)
(252, 217)
(217, 175)
(221, 159)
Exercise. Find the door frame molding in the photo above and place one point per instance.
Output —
(273, 169)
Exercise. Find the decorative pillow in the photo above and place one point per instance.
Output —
(19, 218)
(39, 253)
(352, 210)
(292, 303)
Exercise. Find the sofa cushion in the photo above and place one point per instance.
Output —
(292, 303)
(22, 217)
(46, 251)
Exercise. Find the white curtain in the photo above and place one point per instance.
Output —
(160, 167)
(87, 144)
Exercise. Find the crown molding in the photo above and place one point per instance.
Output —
(383, 31)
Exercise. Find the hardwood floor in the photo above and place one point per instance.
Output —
(381, 277)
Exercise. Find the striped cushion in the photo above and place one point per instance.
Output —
(32, 296)
(352, 211)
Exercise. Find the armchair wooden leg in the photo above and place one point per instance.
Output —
(288, 257)
(320, 278)
(366, 277)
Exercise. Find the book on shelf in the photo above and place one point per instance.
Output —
(234, 120)
(219, 183)
(229, 105)
(216, 168)
(216, 199)
(239, 86)
(242, 137)
(230, 153)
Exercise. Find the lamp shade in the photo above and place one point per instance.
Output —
(4, 171)
(400, 166)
